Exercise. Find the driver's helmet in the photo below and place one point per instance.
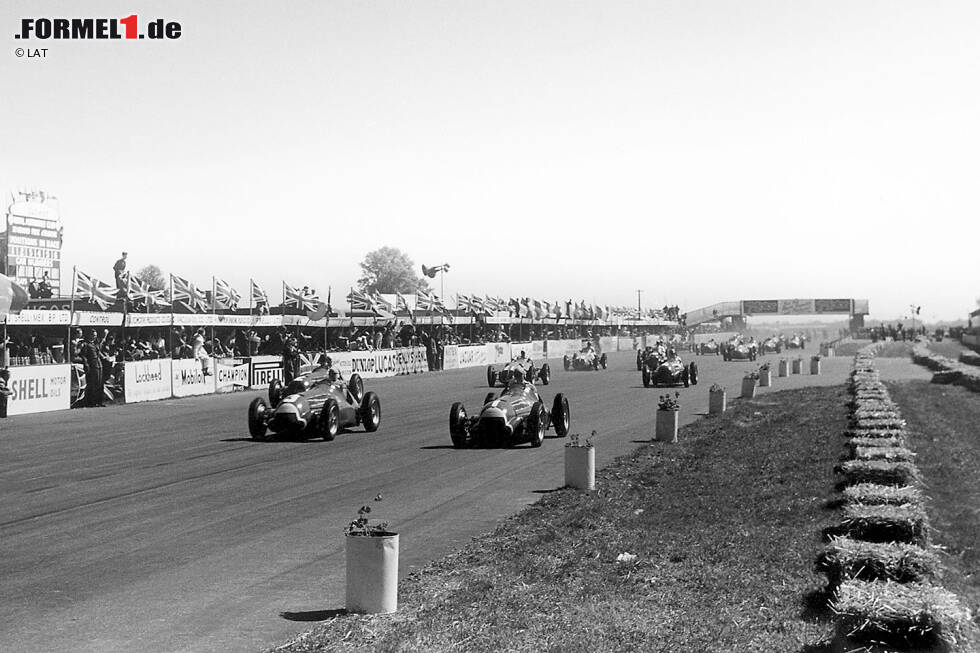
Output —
(332, 375)
(672, 353)
(298, 385)
(523, 355)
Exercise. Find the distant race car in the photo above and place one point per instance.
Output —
(740, 351)
(650, 355)
(771, 345)
(796, 342)
(517, 415)
(318, 404)
(668, 371)
(518, 369)
(586, 359)
(706, 348)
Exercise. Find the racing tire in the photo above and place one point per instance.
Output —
(328, 420)
(490, 397)
(566, 362)
(603, 361)
(686, 377)
(371, 412)
(646, 377)
(561, 416)
(256, 419)
(545, 374)
(639, 362)
(693, 373)
(457, 426)
(491, 376)
(356, 387)
(276, 392)
(536, 424)
(529, 375)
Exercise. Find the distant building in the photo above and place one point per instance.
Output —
(30, 244)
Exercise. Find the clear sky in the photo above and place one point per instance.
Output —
(699, 151)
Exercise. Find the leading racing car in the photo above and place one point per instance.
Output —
(318, 404)
(796, 342)
(773, 344)
(669, 370)
(740, 350)
(521, 368)
(517, 415)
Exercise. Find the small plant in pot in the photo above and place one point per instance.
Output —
(667, 402)
(751, 375)
(580, 462)
(372, 565)
(362, 526)
(575, 440)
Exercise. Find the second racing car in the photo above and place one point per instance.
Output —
(669, 370)
(585, 359)
(521, 368)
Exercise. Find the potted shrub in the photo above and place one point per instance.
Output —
(815, 365)
(668, 410)
(580, 463)
(783, 368)
(765, 375)
(717, 400)
(749, 382)
(797, 365)
(372, 565)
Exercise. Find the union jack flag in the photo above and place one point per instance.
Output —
(361, 302)
(464, 303)
(381, 304)
(294, 297)
(188, 294)
(225, 296)
(91, 288)
(424, 301)
(258, 295)
(401, 303)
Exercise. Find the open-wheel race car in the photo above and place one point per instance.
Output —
(518, 415)
(796, 342)
(586, 359)
(739, 350)
(772, 345)
(669, 370)
(707, 348)
(518, 369)
(315, 405)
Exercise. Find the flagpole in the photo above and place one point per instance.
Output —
(251, 291)
(170, 331)
(282, 307)
(214, 306)
(71, 314)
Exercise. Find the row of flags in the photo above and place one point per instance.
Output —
(194, 299)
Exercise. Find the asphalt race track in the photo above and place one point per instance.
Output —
(163, 527)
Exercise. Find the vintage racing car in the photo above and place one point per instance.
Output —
(517, 415)
(669, 370)
(772, 345)
(706, 348)
(740, 350)
(586, 359)
(521, 368)
(317, 404)
(796, 342)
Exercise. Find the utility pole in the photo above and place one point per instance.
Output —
(639, 308)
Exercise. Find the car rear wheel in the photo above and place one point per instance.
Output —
(536, 424)
(275, 392)
(693, 373)
(490, 397)
(356, 387)
(328, 421)
(566, 361)
(639, 362)
(371, 412)
(560, 415)
(646, 377)
(603, 361)
(545, 374)
(457, 426)
(686, 377)
(257, 411)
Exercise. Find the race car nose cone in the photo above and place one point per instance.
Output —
(492, 412)
(286, 418)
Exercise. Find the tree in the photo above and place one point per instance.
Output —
(152, 276)
(389, 270)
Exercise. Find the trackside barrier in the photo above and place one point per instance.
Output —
(262, 369)
(450, 357)
(472, 355)
(39, 389)
(231, 374)
(608, 345)
(190, 378)
(498, 353)
(148, 380)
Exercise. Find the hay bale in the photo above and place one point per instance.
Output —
(879, 424)
(914, 616)
(881, 443)
(846, 559)
(906, 522)
(873, 494)
(883, 453)
(874, 433)
(878, 471)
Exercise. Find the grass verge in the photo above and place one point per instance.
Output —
(943, 432)
(722, 526)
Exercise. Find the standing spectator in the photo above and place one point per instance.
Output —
(44, 290)
(290, 360)
(4, 391)
(122, 279)
(32, 289)
(200, 353)
(92, 364)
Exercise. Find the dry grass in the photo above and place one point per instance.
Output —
(877, 471)
(883, 453)
(874, 494)
(906, 522)
(912, 615)
(846, 559)
(853, 444)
